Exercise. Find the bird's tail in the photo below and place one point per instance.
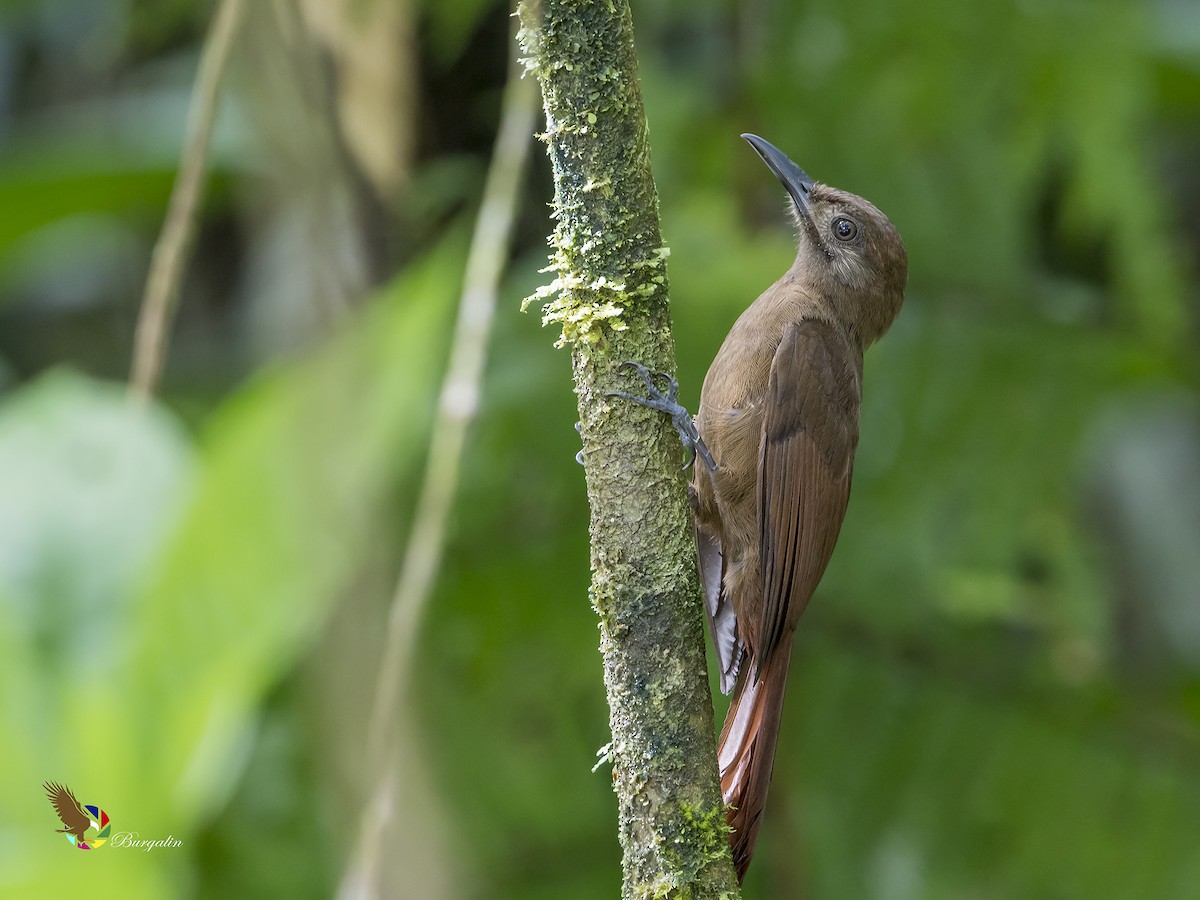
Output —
(746, 752)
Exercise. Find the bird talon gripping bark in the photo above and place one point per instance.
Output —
(685, 426)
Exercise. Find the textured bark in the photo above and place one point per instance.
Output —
(610, 298)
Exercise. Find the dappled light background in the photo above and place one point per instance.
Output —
(996, 691)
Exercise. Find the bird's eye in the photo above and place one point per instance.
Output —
(844, 229)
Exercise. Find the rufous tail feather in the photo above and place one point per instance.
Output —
(746, 751)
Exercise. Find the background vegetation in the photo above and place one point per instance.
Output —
(997, 690)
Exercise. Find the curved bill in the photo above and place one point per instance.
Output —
(794, 178)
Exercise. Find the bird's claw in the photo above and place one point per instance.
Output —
(666, 403)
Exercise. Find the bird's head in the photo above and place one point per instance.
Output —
(849, 252)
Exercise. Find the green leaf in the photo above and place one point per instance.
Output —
(155, 645)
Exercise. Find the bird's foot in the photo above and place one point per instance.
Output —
(579, 431)
(666, 403)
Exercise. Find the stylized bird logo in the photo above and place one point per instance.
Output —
(69, 810)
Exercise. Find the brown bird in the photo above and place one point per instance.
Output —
(779, 414)
(777, 428)
(69, 810)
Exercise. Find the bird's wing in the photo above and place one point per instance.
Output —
(806, 453)
(68, 808)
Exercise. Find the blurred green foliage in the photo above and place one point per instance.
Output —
(995, 694)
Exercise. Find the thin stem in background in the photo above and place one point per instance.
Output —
(457, 407)
(174, 243)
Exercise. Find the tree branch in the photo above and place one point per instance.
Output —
(610, 297)
(174, 243)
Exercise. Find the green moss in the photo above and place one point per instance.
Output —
(585, 307)
(704, 837)
(694, 840)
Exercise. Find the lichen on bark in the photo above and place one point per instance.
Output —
(607, 253)
(609, 297)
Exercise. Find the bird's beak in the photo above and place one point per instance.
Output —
(794, 178)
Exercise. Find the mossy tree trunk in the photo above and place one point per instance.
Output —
(610, 298)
